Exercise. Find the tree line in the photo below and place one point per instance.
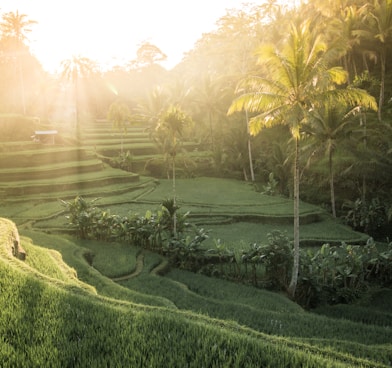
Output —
(332, 274)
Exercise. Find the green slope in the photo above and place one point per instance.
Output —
(49, 318)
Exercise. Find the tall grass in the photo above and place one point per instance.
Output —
(55, 324)
(44, 326)
(74, 255)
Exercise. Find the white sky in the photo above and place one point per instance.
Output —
(110, 31)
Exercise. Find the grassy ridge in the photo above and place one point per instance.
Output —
(44, 324)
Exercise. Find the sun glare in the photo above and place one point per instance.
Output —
(109, 32)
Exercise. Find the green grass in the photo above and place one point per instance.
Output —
(111, 259)
(62, 308)
(241, 234)
(75, 178)
(206, 302)
(237, 222)
(73, 254)
(47, 261)
(265, 328)
(55, 165)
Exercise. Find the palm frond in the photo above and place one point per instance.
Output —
(352, 97)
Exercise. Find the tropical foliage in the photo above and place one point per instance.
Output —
(353, 44)
(333, 274)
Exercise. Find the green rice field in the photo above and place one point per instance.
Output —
(82, 303)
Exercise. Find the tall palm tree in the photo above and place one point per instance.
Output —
(119, 116)
(15, 28)
(296, 78)
(377, 17)
(168, 133)
(329, 125)
(74, 70)
(209, 97)
(149, 109)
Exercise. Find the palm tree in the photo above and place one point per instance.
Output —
(210, 98)
(119, 115)
(377, 18)
(328, 126)
(296, 79)
(73, 70)
(168, 133)
(152, 106)
(14, 28)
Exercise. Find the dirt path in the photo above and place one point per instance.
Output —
(161, 268)
(158, 270)
(138, 269)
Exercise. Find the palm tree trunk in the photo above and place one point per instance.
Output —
(331, 183)
(22, 86)
(211, 131)
(174, 198)
(76, 105)
(345, 64)
(295, 271)
(382, 84)
(252, 173)
(245, 174)
(363, 122)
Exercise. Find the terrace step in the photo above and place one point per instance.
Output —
(68, 183)
(50, 171)
(140, 149)
(96, 140)
(146, 148)
(7, 147)
(109, 130)
(42, 156)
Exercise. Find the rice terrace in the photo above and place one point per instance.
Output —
(233, 211)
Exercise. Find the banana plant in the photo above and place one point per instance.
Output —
(82, 215)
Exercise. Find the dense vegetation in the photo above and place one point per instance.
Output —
(196, 169)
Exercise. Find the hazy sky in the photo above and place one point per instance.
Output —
(110, 31)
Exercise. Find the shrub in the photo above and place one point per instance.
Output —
(275, 257)
(82, 215)
(371, 217)
(341, 274)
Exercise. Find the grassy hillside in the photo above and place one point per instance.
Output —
(49, 318)
(83, 303)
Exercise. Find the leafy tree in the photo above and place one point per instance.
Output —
(146, 55)
(299, 77)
